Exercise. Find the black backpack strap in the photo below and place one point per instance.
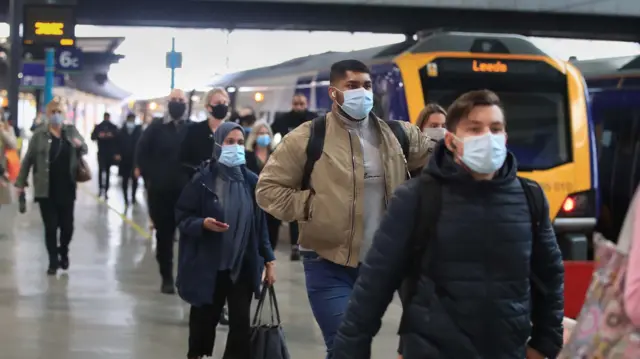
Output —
(401, 135)
(535, 201)
(424, 231)
(314, 148)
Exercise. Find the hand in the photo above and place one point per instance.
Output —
(117, 157)
(20, 190)
(136, 172)
(534, 354)
(211, 224)
(77, 142)
(270, 273)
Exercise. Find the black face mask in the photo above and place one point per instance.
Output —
(219, 111)
(177, 109)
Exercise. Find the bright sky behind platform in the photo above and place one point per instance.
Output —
(210, 52)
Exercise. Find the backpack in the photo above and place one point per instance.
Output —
(424, 229)
(315, 145)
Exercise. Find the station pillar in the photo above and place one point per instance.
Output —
(15, 61)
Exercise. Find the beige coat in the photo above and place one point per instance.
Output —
(330, 215)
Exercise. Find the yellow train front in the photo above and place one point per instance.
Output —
(546, 105)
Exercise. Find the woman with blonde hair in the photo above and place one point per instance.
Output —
(431, 121)
(55, 150)
(259, 146)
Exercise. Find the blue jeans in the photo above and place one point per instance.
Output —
(329, 287)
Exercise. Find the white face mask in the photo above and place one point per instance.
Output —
(484, 153)
(435, 134)
(357, 103)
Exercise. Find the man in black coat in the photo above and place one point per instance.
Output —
(284, 124)
(473, 296)
(128, 137)
(105, 133)
(158, 161)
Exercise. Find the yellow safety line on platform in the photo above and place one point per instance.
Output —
(126, 219)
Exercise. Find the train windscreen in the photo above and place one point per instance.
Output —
(534, 96)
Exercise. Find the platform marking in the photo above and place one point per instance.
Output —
(126, 219)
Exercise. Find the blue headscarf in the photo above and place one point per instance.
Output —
(237, 202)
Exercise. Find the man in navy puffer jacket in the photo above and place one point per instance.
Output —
(475, 299)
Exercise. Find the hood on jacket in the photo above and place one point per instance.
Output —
(443, 166)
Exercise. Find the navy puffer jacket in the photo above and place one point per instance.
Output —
(474, 301)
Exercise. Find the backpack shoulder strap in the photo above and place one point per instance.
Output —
(424, 231)
(401, 135)
(535, 201)
(315, 146)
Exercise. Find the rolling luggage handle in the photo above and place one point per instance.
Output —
(273, 303)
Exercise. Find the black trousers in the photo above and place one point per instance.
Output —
(273, 226)
(293, 233)
(204, 320)
(57, 215)
(162, 205)
(125, 186)
(104, 174)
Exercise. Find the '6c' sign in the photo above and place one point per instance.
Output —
(68, 59)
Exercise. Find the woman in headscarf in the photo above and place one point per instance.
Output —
(224, 246)
(259, 146)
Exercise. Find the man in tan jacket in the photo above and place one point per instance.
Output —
(361, 164)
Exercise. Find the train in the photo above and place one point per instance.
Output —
(614, 89)
(551, 130)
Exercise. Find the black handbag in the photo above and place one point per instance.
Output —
(267, 339)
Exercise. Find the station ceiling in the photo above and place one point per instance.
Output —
(369, 16)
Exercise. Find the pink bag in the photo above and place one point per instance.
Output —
(603, 329)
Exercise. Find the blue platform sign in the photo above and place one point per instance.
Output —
(33, 76)
(68, 59)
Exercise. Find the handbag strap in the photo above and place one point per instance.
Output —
(273, 304)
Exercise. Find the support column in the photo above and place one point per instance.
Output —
(15, 62)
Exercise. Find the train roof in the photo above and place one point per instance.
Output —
(613, 66)
(312, 63)
(434, 42)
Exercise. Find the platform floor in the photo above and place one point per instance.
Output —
(108, 305)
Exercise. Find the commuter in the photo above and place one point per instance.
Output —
(246, 119)
(629, 242)
(8, 141)
(128, 137)
(105, 134)
(220, 221)
(259, 147)
(482, 270)
(54, 153)
(158, 161)
(361, 162)
(198, 144)
(284, 124)
(431, 121)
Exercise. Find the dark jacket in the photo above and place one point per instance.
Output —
(253, 164)
(37, 158)
(199, 249)
(289, 121)
(197, 147)
(475, 301)
(107, 147)
(126, 149)
(158, 155)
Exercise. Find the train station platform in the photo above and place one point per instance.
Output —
(108, 305)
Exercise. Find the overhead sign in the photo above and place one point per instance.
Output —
(174, 60)
(33, 76)
(49, 25)
(68, 59)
